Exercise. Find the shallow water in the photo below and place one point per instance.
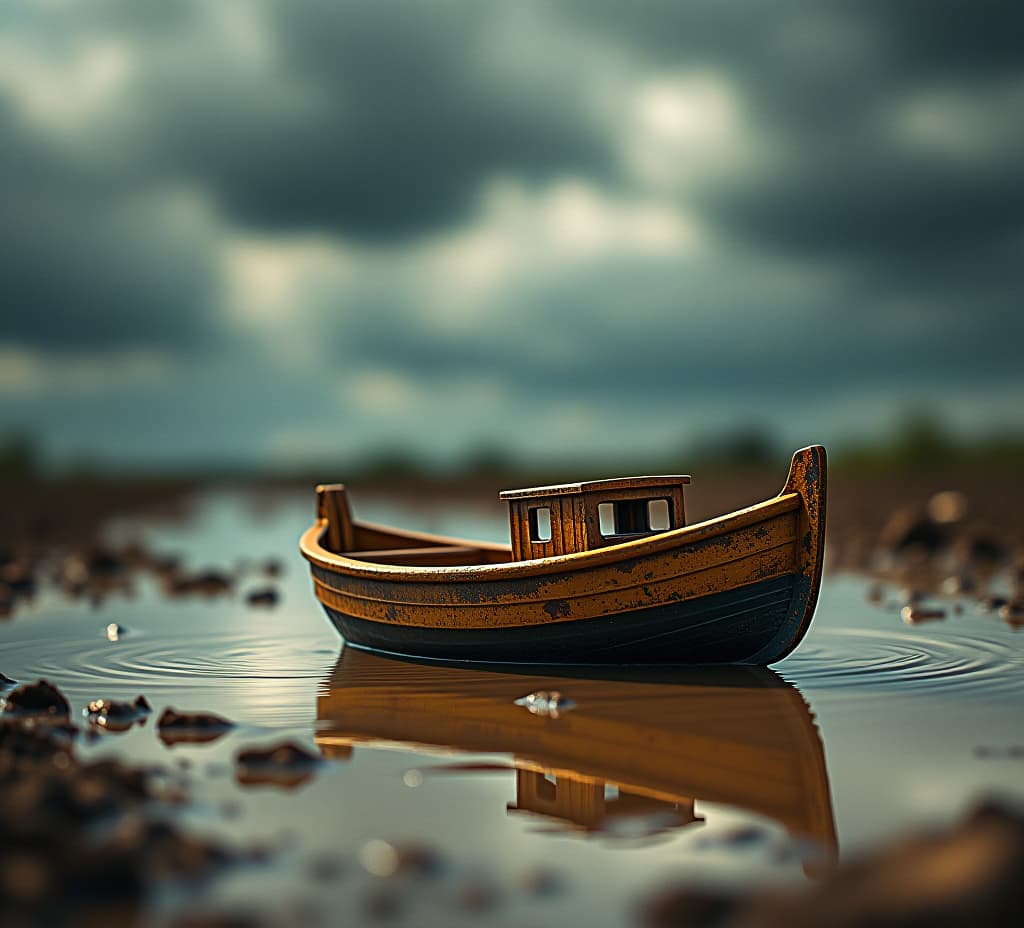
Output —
(869, 728)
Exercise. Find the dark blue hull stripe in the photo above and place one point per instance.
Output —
(729, 627)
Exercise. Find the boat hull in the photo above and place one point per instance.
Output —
(735, 627)
(737, 589)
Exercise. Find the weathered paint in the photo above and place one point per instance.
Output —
(780, 537)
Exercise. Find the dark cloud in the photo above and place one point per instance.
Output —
(373, 121)
(849, 247)
(663, 334)
(823, 84)
(85, 267)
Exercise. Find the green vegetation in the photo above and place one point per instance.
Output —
(919, 445)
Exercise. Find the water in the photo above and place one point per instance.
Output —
(868, 729)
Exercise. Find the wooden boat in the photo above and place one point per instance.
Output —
(606, 572)
(663, 738)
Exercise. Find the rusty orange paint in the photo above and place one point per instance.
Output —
(368, 573)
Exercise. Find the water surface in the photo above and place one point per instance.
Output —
(869, 728)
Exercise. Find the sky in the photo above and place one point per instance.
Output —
(272, 233)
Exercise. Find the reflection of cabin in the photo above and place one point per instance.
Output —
(546, 521)
(587, 803)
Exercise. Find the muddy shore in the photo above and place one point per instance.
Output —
(86, 842)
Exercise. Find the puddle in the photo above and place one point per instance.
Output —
(567, 808)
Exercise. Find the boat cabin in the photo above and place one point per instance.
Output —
(587, 804)
(571, 517)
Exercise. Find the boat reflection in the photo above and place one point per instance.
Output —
(645, 744)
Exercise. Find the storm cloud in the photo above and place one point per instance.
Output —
(234, 229)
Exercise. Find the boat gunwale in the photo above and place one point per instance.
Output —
(316, 554)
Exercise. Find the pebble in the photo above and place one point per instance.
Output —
(77, 842)
(191, 727)
(265, 596)
(286, 765)
(970, 875)
(37, 699)
(1012, 611)
(112, 715)
(205, 583)
(914, 615)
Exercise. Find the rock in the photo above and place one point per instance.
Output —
(112, 715)
(264, 596)
(909, 529)
(915, 615)
(1013, 613)
(204, 583)
(40, 699)
(104, 564)
(972, 875)
(286, 765)
(984, 549)
(689, 908)
(191, 727)
(968, 876)
(19, 578)
(19, 742)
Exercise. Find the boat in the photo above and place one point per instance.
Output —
(602, 572)
(631, 745)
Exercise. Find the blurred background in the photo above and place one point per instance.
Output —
(275, 238)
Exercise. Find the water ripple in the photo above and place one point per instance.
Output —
(873, 660)
(271, 681)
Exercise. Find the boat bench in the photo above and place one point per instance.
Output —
(432, 556)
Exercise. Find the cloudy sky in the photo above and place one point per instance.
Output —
(273, 232)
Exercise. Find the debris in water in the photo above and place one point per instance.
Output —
(191, 727)
(115, 631)
(544, 702)
(264, 596)
(77, 843)
(1012, 613)
(206, 583)
(39, 699)
(111, 715)
(906, 883)
(286, 765)
(915, 615)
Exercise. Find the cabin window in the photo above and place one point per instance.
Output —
(634, 517)
(547, 787)
(659, 518)
(540, 524)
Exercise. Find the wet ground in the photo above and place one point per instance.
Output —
(343, 784)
